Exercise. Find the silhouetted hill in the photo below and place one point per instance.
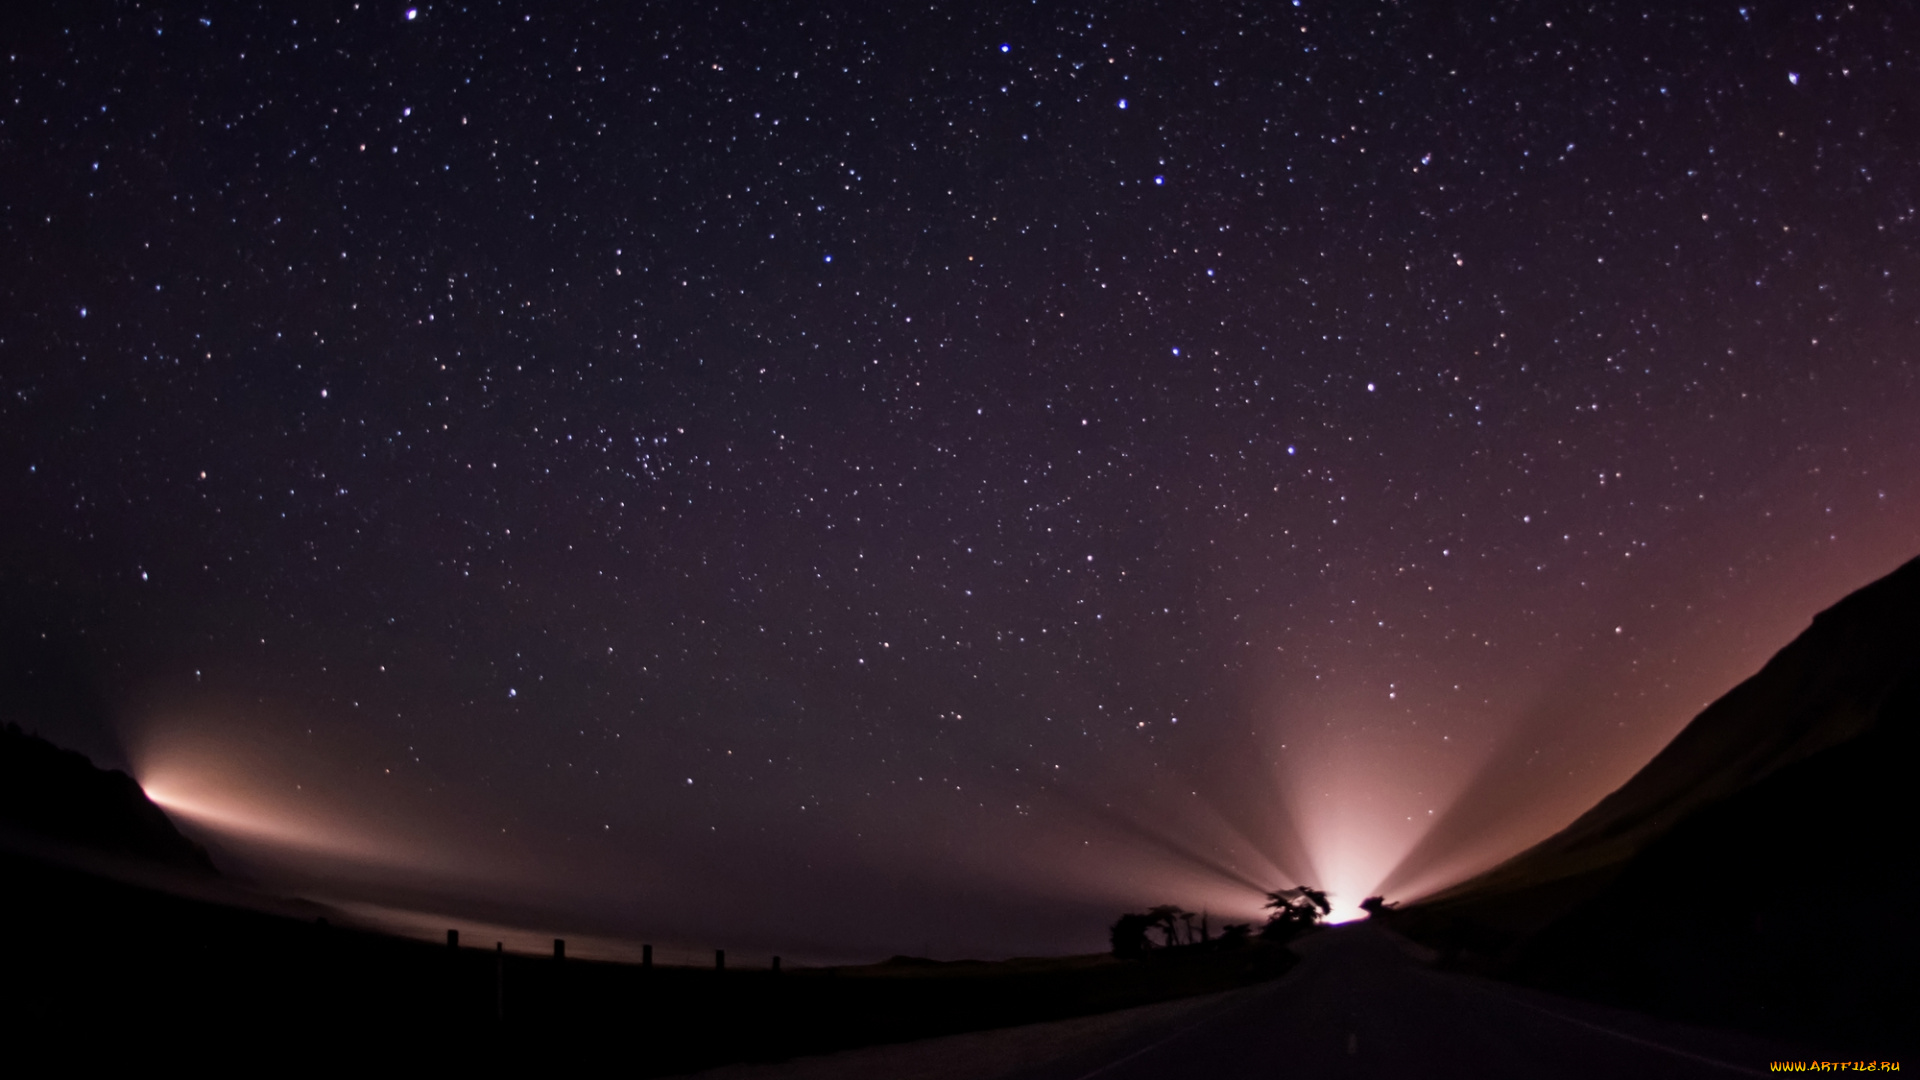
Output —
(1828, 686)
(1789, 907)
(1759, 871)
(59, 795)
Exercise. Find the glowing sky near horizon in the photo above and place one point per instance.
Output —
(839, 481)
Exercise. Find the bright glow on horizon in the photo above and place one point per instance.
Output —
(230, 817)
(240, 791)
(244, 816)
(1359, 797)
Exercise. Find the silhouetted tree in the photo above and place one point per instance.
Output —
(1375, 906)
(1129, 936)
(1294, 910)
(1235, 934)
(1168, 918)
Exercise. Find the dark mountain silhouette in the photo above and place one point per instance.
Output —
(1830, 685)
(59, 795)
(1789, 907)
(1759, 871)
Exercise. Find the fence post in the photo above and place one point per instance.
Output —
(499, 981)
(719, 959)
(559, 948)
(776, 965)
(453, 939)
(646, 956)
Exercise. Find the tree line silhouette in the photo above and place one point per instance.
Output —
(1294, 911)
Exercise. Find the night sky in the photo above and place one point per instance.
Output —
(890, 478)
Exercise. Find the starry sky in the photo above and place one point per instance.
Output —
(925, 478)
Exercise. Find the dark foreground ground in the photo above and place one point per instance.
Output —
(116, 971)
(133, 972)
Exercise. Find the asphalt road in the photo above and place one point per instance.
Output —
(1362, 1004)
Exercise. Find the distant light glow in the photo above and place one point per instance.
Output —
(241, 794)
(234, 816)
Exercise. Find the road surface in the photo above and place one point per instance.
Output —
(1363, 1004)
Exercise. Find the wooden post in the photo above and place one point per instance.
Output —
(499, 981)
(776, 965)
(559, 948)
(646, 956)
(453, 939)
(719, 959)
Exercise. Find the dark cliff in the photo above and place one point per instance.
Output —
(59, 795)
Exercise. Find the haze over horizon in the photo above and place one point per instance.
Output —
(871, 482)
